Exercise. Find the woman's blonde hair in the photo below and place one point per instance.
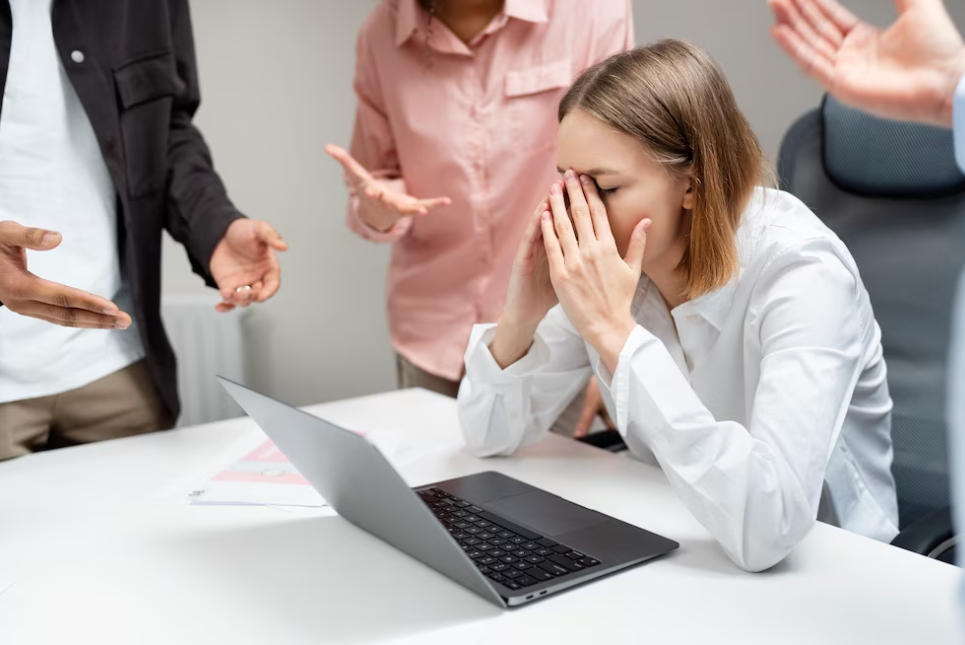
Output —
(674, 98)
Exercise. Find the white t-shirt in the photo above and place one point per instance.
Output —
(53, 176)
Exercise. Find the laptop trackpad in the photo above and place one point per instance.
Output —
(546, 513)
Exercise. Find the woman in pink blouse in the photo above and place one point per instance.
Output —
(454, 144)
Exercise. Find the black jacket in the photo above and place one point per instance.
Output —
(137, 79)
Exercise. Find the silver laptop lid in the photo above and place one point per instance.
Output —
(358, 482)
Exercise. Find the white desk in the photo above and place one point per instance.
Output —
(98, 558)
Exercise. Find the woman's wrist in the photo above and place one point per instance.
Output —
(512, 341)
(609, 340)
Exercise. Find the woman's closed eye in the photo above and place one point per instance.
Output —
(604, 192)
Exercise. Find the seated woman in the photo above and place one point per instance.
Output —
(729, 329)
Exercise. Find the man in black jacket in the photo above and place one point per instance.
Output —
(97, 144)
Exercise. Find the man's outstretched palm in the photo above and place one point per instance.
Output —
(908, 71)
(244, 264)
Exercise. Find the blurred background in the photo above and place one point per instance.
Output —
(276, 81)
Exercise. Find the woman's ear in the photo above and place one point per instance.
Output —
(689, 195)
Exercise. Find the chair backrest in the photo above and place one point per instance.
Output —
(894, 194)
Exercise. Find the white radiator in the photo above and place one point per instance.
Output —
(207, 343)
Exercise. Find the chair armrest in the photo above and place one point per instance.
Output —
(930, 536)
(606, 439)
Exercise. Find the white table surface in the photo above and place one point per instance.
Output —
(98, 557)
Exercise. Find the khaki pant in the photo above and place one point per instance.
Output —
(409, 375)
(122, 404)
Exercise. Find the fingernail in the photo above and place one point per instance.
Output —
(585, 180)
(646, 225)
(555, 189)
(121, 325)
(569, 174)
(48, 238)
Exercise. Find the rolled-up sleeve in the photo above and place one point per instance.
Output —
(501, 410)
(757, 488)
(373, 144)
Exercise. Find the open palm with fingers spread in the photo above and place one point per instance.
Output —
(380, 205)
(908, 71)
(594, 284)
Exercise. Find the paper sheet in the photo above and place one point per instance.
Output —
(263, 476)
(5, 584)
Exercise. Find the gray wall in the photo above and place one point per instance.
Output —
(770, 90)
(276, 81)
(276, 86)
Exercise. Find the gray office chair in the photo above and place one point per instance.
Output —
(893, 192)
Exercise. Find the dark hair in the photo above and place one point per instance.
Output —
(674, 98)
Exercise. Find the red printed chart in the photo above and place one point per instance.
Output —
(264, 476)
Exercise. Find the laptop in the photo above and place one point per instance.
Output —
(507, 541)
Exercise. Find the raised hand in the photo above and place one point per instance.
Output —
(380, 206)
(908, 71)
(594, 284)
(530, 295)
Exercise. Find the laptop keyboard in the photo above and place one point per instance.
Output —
(503, 551)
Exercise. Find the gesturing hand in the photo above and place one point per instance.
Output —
(908, 71)
(594, 284)
(24, 293)
(379, 205)
(244, 264)
(530, 295)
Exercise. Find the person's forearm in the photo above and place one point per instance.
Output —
(512, 341)
(501, 409)
(198, 208)
(744, 491)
